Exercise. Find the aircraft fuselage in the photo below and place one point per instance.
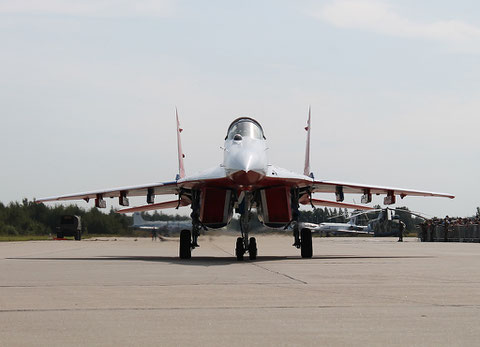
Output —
(245, 152)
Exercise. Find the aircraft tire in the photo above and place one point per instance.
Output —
(185, 244)
(252, 249)
(306, 243)
(239, 250)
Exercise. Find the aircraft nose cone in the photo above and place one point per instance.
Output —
(246, 169)
(246, 162)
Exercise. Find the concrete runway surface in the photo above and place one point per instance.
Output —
(355, 291)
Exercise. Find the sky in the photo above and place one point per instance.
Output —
(88, 92)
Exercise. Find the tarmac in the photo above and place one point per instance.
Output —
(355, 291)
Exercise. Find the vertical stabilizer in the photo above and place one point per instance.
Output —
(181, 167)
(137, 219)
(306, 170)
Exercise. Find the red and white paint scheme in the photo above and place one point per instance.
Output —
(244, 181)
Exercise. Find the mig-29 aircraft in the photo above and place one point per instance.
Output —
(244, 181)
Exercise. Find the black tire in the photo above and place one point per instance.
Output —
(306, 240)
(78, 235)
(239, 249)
(252, 249)
(185, 244)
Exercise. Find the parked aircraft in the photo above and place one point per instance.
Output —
(387, 222)
(244, 181)
(140, 223)
(341, 228)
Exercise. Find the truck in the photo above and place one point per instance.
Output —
(70, 225)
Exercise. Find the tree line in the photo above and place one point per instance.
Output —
(30, 218)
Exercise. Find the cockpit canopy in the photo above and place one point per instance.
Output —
(246, 127)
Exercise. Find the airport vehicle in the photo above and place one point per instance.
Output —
(70, 225)
(140, 223)
(244, 181)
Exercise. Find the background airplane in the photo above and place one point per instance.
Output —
(243, 182)
(351, 227)
(140, 223)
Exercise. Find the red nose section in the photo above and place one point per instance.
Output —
(246, 178)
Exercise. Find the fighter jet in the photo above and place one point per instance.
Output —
(243, 182)
(140, 223)
(341, 228)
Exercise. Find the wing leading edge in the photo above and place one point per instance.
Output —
(140, 190)
(355, 188)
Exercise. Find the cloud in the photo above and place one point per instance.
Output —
(380, 17)
(89, 8)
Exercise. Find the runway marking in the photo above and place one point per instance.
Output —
(113, 309)
(147, 285)
(168, 308)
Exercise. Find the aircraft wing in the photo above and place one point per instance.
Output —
(216, 174)
(140, 190)
(355, 188)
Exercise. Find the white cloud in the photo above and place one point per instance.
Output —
(381, 17)
(89, 8)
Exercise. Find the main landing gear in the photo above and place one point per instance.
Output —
(185, 244)
(302, 238)
(189, 239)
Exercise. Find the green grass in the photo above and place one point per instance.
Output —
(7, 238)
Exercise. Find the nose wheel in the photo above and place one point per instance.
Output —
(240, 248)
(252, 249)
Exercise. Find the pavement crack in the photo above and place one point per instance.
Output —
(279, 273)
(264, 268)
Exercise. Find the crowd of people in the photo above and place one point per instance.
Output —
(429, 226)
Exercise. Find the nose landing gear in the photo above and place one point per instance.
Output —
(243, 243)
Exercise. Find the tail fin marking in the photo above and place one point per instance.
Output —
(181, 167)
(306, 170)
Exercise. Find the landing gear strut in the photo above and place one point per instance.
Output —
(243, 243)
